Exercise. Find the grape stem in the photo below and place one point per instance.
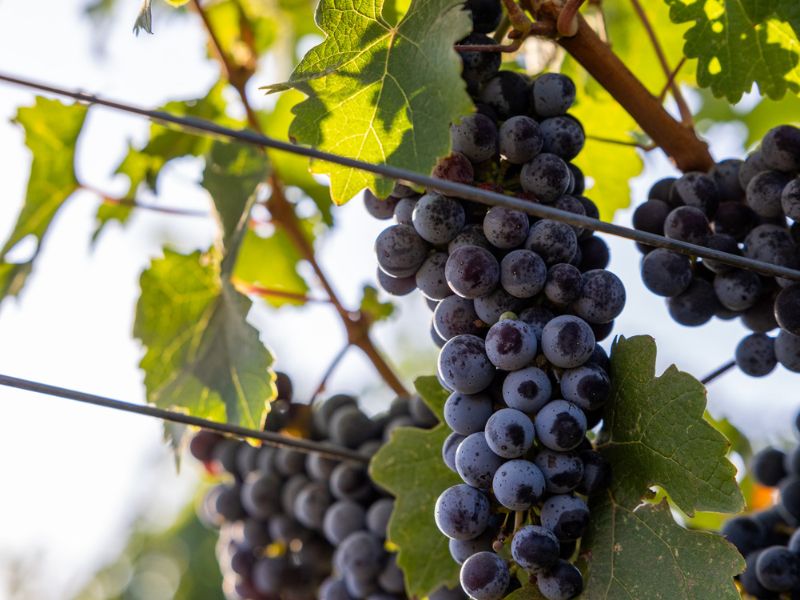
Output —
(662, 96)
(683, 107)
(328, 372)
(356, 326)
(138, 204)
(644, 147)
(680, 143)
(267, 437)
(265, 292)
(539, 29)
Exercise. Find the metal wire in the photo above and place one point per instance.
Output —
(718, 372)
(267, 437)
(459, 190)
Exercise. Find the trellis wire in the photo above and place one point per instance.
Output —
(269, 438)
(459, 190)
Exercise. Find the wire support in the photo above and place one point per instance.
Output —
(451, 188)
(267, 437)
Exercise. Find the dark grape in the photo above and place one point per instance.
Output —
(511, 344)
(687, 224)
(787, 309)
(464, 366)
(454, 167)
(781, 148)
(508, 93)
(767, 466)
(430, 278)
(778, 569)
(438, 219)
(695, 306)
(563, 136)
(485, 576)
(726, 175)
(518, 484)
(523, 273)
(755, 355)
(563, 582)
(666, 273)
(475, 461)
(734, 219)
(764, 193)
(567, 341)
(467, 413)
(745, 533)
(509, 433)
(472, 271)
(790, 199)
(527, 389)
(587, 386)
(737, 290)
(379, 208)
(698, 190)
(505, 228)
(535, 548)
(486, 14)
(547, 177)
(596, 473)
(449, 449)
(462, 512)
(475, 136)
(564, 283)
(787, 350)
(554, 242)
(594, 254)
(490, 307)
(662, 190)
(553, 94)
(520, 139)
(566, 516)
(396, 286)
(562, 471)
(723, 243)
(602, 297)
(455, 316)
(400, 250)
(479, 67)
(341, 519)
(560, 425)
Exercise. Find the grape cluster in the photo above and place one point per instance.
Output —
(744, 208)
(770, 539)
(302, 526)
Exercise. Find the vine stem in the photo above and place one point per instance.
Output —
(356, 327)
(683, 107)
(328, 372)
(257, 290)
(268, 437)
(108, 199)
(681, 143)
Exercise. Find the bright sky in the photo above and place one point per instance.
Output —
(75, 475)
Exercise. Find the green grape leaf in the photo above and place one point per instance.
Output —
(641, 552)
(51, 133)
(742, 42)
(654, 434)
(381, 87)
(410, 467)
(372, 307)
(292, 169)
(202, 356)
(142, 166)
(267, 267)
(231, 176)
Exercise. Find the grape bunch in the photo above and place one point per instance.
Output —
(770, 539)
(522, 403)
(744, 208)
(302, 526)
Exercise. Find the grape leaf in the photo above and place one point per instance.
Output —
(51, 133)
(381, 88)
(640, 552)
(410, 467)
(372, 307)
(742, 42)
(267, 265)
(654, 434)
(202, 356)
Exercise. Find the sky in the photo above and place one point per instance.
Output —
(75, 476)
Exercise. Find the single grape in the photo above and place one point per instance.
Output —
(553, 94)
(563, 582)
(261, 495)
(666, 273)
(475, 136)
(461, 550)
(437, 218)
(449, 450)
(726, 175)
(576, 206)
(566, 516)
(491, 306)
(737, 290)
(350, 427)
(404, 210)
(471, 235)
(360, 555)
(578, 181)
(472, 271)
(794, 542)
(289, 462)
(505, 228)
(537, 316)
(455, 316)
(755, 355)
(522, 273)
(735, 219)
(400, 250)
(766, 242)
(790, 199)
(378, 516)
(527, 389)
(390, 580)
(479, 67)
(256, 534)
(760, 318)
(596, 473)
(534, 548)
(602, 297)
(662, 190)
(462, 512)
(268, 574)
(547, 177)
(767, 467)
(454, 167)
(764, 193)
(560, 425)
(334, 589)
(202, 445)
(518, 484)
(787, 309)
(508, 93)
(430, 278)
(695, 306)
(421, 413)
(511, 344)
(486, 14)
(475, 461)
(509, 433)
(563, 136)
(564, 283)
(520, 139)
(224, 454)
(311, 504)
(778, 569)
(745, 533)
(350, 482)
(787, 350)
(396, 286)
(464, 366)
(781, 148)
(554, 242)
(567, 341)
(587, 386)
(698, 190)
(324, 411)
(594, 254)
(723, 243)
(562, 471)
(360, 587)
(687, 224)
(485, 576)
(467, 413)
(228, 504)
(379, 208)
(341, 519)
